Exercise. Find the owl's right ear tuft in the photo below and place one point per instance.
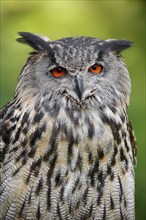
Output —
(36, 42)
(116, 45)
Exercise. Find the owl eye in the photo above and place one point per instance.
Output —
(58, 71)
(96, 68)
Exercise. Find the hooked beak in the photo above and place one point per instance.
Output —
(79, 87)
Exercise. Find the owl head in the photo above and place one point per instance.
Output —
(75, 72)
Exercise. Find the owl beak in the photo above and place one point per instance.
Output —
(79, 88)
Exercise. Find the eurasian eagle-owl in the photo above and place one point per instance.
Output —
(67, 146)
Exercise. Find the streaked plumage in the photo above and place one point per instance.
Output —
(67, 146)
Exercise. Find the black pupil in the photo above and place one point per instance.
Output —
(59, 70)
(94, 67)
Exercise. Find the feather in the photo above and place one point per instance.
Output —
(36, 42)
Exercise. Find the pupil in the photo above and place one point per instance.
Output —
(94, 67)
(59, 70)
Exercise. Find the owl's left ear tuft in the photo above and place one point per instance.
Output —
(116, 45)
(36, 42)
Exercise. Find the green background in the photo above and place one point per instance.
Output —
(102, 19)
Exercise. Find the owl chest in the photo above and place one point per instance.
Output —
(77, 141)
(70, 165)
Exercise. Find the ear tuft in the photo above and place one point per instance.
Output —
(116, 45)
(36, 42)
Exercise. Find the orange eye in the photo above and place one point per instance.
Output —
(96, 68)
(58, 71)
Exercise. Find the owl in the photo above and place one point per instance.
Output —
(67, 147)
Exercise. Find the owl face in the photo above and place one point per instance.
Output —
(80, 72)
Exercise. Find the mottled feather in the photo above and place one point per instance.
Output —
(67, 147)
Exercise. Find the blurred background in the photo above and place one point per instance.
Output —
(101, 19)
